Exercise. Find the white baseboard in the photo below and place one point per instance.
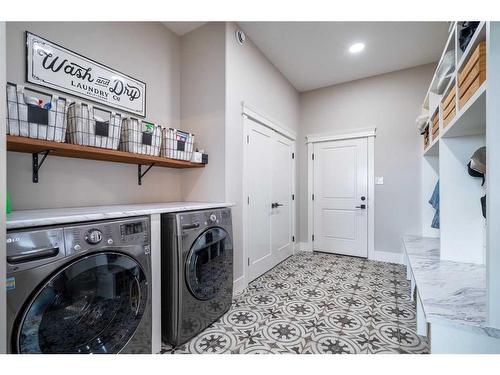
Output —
(383, 256)
(302, 246)
(239, 284)
(388, 256)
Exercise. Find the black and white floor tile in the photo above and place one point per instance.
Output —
(318, 303)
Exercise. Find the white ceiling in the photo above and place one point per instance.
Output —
(181, 28)
(315, 54)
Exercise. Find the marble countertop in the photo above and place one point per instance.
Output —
(451, 292)
(40, 217)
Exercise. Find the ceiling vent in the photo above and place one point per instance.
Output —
(240, 37)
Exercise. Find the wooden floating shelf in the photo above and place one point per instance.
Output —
(38, 147)
(67, 150)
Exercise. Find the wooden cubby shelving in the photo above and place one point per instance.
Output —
(465, 236)
(462, 229)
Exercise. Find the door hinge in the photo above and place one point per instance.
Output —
(293, 155)
(248, 261)
(313, 156)
(293, 197)
(313, 237)
(248, 200)
(313, 196)
(293, 238)
(248, 139)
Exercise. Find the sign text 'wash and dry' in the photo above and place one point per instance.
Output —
(56, 67)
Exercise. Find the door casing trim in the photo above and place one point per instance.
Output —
(350, 134)
(369, 134)
(249, 112)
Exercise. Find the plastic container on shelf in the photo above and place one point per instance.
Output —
(92, 126)
(177, 144)
(140, 137)
(35, 114)
(8, 204)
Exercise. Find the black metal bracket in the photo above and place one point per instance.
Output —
(37, 165)
(140, 175)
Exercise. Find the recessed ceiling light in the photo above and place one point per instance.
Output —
(356, 47)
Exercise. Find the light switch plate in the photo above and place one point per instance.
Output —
(379, 180)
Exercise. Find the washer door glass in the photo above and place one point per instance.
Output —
(206, 271)
(93, 305)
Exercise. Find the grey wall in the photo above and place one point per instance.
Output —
(3, 303)
(145, 50)
(252, 79)
(390, 102)
(203, 108)
(217, 75)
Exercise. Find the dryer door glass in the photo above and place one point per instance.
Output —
(206, 265)
(93, 305)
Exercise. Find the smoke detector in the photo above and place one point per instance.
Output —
(240, 37)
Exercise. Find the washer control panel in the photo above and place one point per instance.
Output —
(97, 235)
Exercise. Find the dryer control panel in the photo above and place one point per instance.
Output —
(200, 219)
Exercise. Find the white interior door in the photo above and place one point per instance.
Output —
(340, 186)
(282, 190)
(258, 173)
(269, 180)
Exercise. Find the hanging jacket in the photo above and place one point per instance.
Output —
(434, 202)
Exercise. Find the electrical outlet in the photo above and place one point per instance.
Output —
(379, 180)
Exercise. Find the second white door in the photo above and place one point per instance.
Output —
(340, 197)
(269, 179)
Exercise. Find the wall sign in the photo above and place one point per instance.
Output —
(56, 67)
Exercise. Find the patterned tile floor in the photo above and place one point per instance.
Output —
(318, 303)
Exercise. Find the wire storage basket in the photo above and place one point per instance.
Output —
(177, 144)
(92, 126)
(140, 137)
(35, 114)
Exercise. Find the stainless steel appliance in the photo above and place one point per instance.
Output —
(197, 271)
(82, 288)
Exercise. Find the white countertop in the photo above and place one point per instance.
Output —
(51, 216)
(451, 292)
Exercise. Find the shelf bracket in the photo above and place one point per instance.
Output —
(140, 175)
(38, 164)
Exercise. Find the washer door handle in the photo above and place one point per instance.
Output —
(191, 226)
(33, 255)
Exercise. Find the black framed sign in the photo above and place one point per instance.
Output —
(50, 65)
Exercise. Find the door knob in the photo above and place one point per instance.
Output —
(276, 205)
(363, 198)
(363, 206)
